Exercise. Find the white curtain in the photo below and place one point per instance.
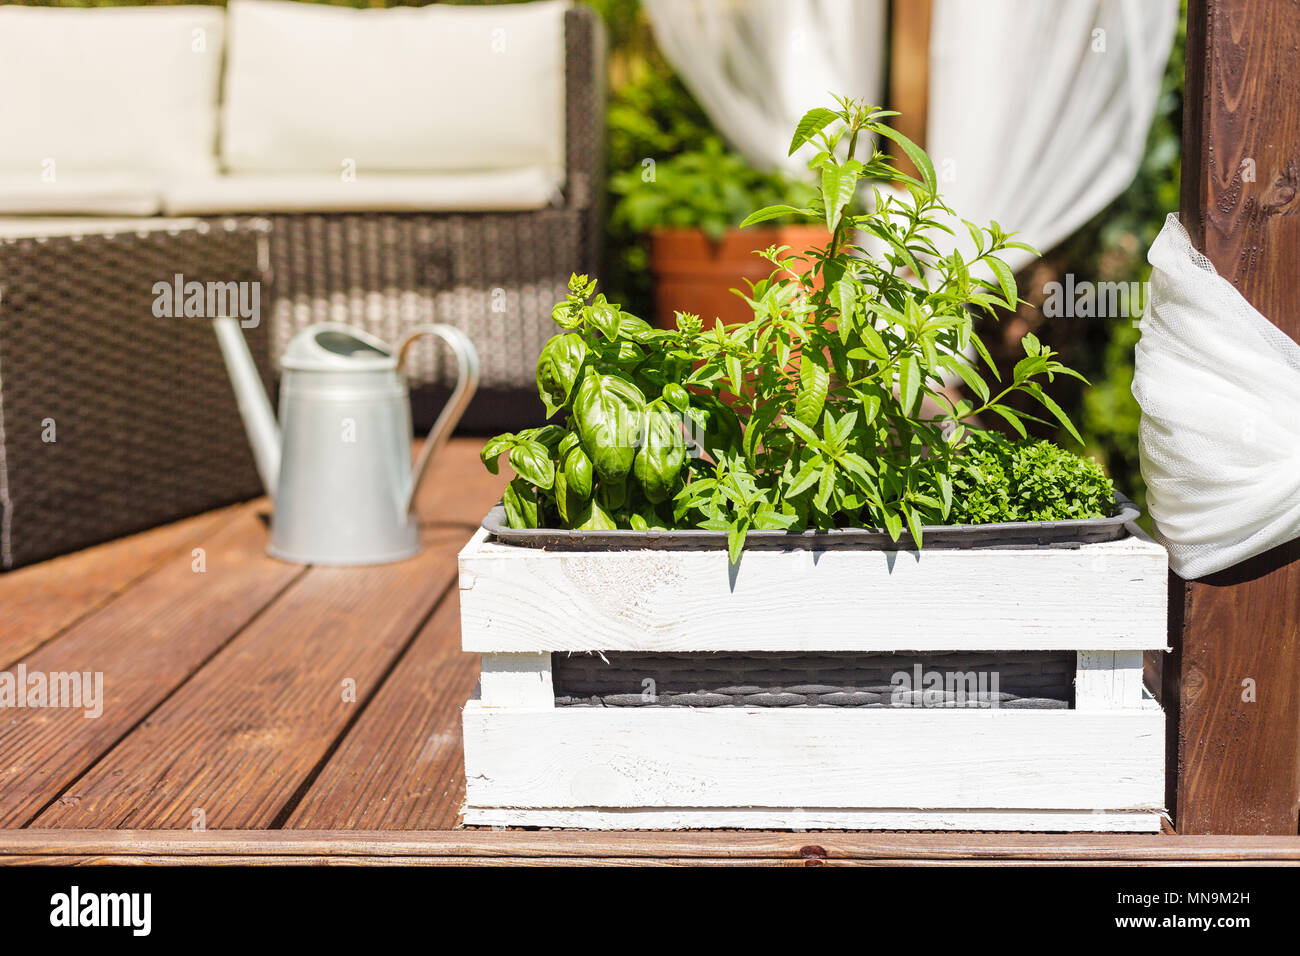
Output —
(1038, 112)
(1039, 109)
(756, 66)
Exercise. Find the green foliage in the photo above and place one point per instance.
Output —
(1113, 248)
(995, 479)
(711, 188)
(826, 410)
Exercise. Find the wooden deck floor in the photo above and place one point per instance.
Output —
(256, 711)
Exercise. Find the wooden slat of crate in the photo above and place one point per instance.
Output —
(801, 819)
(146, 643)
(1106, 596)
(676, 758)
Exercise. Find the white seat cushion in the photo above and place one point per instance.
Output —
(83, 194)
(434, 88)
(508, 189)
(130, 89)
(35, 227)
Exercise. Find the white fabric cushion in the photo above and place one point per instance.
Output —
(85, 194)
(508, 189)
(130, 89)
(435, 88)
(30, 227)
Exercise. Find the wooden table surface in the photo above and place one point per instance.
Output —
(257, 711)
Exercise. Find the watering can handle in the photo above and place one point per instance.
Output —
(467, 372)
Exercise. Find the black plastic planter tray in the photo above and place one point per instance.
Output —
(1012, 534)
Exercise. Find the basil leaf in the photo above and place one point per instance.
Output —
(608, 411)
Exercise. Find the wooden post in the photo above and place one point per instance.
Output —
(1238, 753)
(909, 74)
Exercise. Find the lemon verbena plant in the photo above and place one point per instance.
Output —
(827, 409)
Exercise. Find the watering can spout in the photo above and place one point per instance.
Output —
(254, 405)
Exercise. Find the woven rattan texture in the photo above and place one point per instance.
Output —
(144, 421)
(1025, 679)
(496, 276)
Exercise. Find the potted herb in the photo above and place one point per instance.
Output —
(636, 672)
(826, 408)
(690, 207)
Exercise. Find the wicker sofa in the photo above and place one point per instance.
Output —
(491, 270)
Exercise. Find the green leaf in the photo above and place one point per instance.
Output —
(608, 412)
(661, 455)
(808, 474)
(974, 381)
(736, 539)
(595, 518)
(909, 382)
(814, 382)
(914, 525)
(768, 213)
(1057, 412)
(915, 153)
(893, 525)
(809, 125)
(803, 431)
(532, 461)
(493, 449)
(578, 473)
(520, 500)
(1006, 279)
(839, 183)
(677, 397)
(605, 318)
(557, 369)
(1011, 417)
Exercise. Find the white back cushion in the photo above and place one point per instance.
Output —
(436, 88)
(130, 89)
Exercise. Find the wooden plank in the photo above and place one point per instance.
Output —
(1104, 596)
(232, 747)
(909, 75)
(801, 819)
(146, 643)
(235, 745)
(517, 680)
(1108, 680)
(814, 757)
(401, 766)
(1238, 753)
(41, 600)
(494, 845)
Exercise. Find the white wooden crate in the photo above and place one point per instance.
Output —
(1099, 766)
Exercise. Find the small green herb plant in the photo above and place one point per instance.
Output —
(827, 409)
(711, 189)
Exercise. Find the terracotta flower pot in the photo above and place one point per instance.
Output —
(694, 274)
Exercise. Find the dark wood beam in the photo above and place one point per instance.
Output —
(909, 74)
(1238, 760)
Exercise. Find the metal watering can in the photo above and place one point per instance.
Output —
(338, 465)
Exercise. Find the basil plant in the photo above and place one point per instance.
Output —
(827, 409)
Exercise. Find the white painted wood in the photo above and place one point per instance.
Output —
(517, 680)
(612, 757)
(1105, 596)
(1108, 680)
(799, 819)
